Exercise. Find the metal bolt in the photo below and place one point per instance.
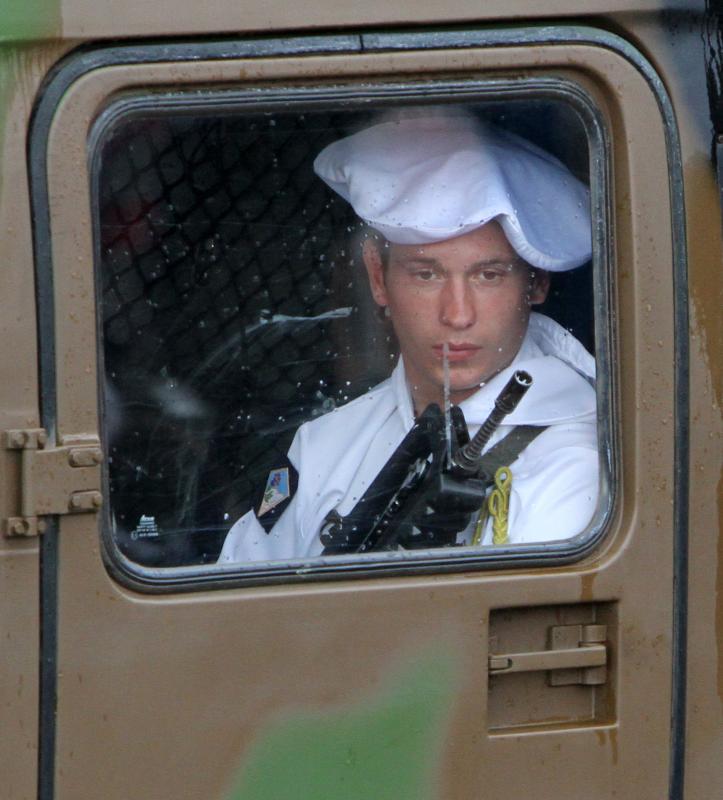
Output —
(84, 457)
(42, 438)
(17, 439)
(97, 499)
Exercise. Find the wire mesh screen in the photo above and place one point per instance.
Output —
(232, 310)
(229, 307)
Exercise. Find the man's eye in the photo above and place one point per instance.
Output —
(425, 274)
(489, 276)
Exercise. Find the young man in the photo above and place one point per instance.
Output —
(470, 221)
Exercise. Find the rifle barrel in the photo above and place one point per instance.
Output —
(466, 458)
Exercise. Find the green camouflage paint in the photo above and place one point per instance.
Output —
(29, 20)
(22, 22)
(386, 748)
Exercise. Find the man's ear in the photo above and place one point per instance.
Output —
(375, 271)
(539, 286)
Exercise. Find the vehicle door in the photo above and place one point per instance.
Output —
(431, 674)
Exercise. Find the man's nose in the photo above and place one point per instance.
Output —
(457, 305)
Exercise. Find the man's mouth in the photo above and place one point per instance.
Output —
(457, 352)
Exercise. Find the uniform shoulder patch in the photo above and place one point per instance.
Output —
(278, 490)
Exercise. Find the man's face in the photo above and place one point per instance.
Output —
(472, 292)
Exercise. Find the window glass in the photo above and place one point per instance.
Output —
(234, 282)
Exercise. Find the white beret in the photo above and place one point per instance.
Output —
(418, 180)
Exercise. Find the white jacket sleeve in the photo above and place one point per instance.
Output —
(248, 541)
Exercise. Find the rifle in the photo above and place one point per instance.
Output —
(423, 498)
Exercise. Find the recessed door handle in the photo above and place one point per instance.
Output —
(588, 655)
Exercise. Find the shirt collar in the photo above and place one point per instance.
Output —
(562, 371)
(402, 395)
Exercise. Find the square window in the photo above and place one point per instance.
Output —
(342, 291)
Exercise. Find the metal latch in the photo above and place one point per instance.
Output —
(54, 480)
(577, 655)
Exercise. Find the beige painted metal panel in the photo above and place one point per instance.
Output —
(686, 82)
(22, 69)
(19, 633)
(166, 697)
(86, 19)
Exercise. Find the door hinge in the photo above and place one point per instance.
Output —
(577, 654)
(64, 479)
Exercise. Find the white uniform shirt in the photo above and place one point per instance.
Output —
(555, 478)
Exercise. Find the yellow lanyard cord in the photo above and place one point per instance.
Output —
(480, 525)
(498, 504)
